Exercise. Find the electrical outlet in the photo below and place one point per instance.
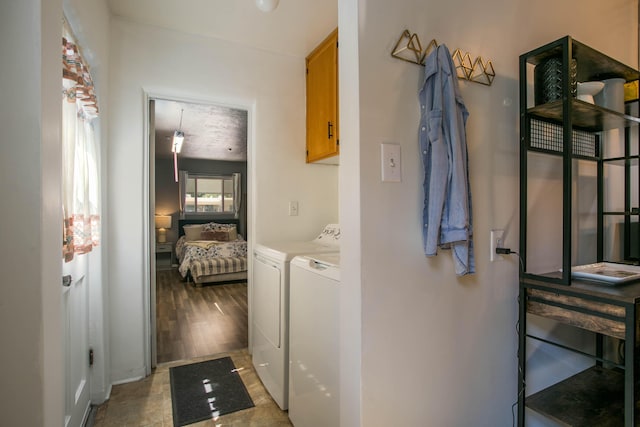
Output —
(497, 241)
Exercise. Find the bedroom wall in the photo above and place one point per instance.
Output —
(168, 190)
(151, 59)
(433, 344)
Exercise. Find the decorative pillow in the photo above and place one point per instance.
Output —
(220, 236)
(233, 234)
(192, 232)
(214, 226)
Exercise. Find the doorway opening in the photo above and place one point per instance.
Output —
(198, 220)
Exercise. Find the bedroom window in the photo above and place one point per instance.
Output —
(209, 195)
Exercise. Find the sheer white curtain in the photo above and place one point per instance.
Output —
(80, 165)
(237, 194)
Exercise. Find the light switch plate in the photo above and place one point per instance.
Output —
(293, 208)
(391, 165)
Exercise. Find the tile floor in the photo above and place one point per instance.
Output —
(147, 403)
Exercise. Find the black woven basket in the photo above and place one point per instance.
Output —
(547, 77)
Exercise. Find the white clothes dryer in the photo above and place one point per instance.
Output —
(270, 344)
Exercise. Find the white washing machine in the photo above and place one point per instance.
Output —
(270, 344)
(314, 359)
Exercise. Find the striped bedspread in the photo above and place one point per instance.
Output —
(206, 267)
(211, 257)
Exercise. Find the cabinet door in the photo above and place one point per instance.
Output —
(322, 100)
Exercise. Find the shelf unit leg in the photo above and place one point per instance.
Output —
(630, 395)
(522, 353)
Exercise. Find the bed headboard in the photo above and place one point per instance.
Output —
(183, 222)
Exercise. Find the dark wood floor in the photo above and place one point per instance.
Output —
(193, 322)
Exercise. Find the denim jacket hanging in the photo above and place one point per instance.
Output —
(447, 196)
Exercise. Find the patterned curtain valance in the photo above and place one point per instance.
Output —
(77, 84)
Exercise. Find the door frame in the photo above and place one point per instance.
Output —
(148, 208)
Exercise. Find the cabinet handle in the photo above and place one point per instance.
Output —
(329, 127)
(66, 280)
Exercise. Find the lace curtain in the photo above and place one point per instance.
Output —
(80, 165)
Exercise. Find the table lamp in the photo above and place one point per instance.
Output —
(162, 223)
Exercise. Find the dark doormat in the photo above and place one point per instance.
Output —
(205, 390)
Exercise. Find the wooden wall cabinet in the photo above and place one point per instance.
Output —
(322, 100)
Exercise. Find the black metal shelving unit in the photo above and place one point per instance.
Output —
(568, 132)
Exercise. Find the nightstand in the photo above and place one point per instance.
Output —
(165, 257)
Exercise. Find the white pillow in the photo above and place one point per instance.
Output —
(192, 231)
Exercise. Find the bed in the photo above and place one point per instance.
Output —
(211, 251)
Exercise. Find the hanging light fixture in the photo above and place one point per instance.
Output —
(178, 137)
(267, 5)
(176, 146)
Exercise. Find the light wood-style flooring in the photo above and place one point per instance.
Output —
(193, 322)
(147, 403)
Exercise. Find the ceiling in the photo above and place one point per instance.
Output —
(293, 29)
(210, 131)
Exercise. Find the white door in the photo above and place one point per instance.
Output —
(75, 306)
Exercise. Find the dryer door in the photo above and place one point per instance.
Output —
(267, 299)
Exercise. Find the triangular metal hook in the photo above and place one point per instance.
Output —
(433, 45)
(408, 48)
(408, 45)
(462, 63)
(482, 72)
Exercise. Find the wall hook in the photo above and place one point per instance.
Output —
(408, 48)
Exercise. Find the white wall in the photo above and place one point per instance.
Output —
(30, 161)
(30, 324)
(178, 65)
(350, 216)
(439, 350)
